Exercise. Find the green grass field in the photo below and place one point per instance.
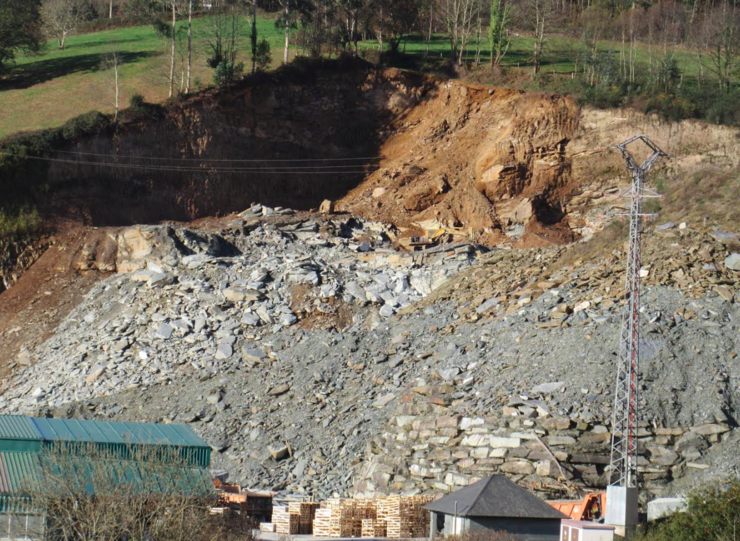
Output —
(46, 90)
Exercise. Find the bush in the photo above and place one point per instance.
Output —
(724, 109)
(263, 55)
(713, 512)
(22, 221)
(153, 492)
(227, 73)
(670, 107)
(483, 535)
(137, 101)
(92, 123)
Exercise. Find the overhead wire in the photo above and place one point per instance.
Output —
(253, 160)
(303, 169)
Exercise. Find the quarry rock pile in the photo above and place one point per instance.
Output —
(185, 302)
(316, 359)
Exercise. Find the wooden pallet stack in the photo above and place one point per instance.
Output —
(284, 522)
(306, 513)
(339, 518)
(395, 517)
(267, 527)
(321, 523)
(404, 516)
(373, 527)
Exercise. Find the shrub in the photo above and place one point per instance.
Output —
(713, 512)
(91, 494)
(724, 110)
(227, 73)
(483, 535)
(670, 107)
(137, 101)
(22, 221)
(92, 123)
(263, 55)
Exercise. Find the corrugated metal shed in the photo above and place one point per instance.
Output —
(74, 430)
(19, 472)
(22, 440)
(18, 427)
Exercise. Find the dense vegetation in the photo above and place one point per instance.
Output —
(678, 59)
(713, 512)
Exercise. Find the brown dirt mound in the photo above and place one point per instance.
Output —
(472, 156)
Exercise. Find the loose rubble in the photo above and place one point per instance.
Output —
(316, 359)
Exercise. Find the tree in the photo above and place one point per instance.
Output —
(458, 18)
(719, 39)
(286, 22)
(263, 57)
(537, 16)
(190, 45)
(253, 36)
(111, 62)
(396, 18)
(498, 31)
(20, 28)
(152, 492)
(61, 17)
(292, 10)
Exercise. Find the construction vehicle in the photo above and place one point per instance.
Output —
(590, 508)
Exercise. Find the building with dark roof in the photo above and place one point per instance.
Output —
(495, 503)
(25, 441)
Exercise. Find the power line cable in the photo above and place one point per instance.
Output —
(271, 160)
(264, 170)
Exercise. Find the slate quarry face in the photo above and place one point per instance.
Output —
(312, 363)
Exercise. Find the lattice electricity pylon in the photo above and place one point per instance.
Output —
(624, 420)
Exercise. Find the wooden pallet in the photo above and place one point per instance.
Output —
(372, 527)
(284, 522)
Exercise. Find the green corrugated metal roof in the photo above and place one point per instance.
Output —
(21, 427)
(109, 432)
(18, 427)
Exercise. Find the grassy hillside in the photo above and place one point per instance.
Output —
(46, 90)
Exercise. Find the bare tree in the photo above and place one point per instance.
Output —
(61, 18)
(223, 28)
(458, 18)
(253, 36)
(719, 40)
(286, 21)
(190, 45)
(152, 492)
(538, 16)
(111, 62)
(174, 7)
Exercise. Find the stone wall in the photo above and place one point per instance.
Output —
(431, 445)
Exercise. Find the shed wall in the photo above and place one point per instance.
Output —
(525, 529)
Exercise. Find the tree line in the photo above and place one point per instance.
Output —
(618, 45)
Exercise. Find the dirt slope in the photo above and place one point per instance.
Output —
(467, 155)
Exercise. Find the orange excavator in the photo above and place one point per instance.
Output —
(589, 508)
